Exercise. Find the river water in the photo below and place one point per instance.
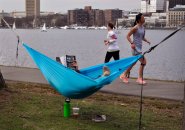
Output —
(166, 62)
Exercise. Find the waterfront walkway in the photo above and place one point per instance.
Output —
(157, 89)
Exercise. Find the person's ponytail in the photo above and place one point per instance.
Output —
(135, 23)
(138, 18)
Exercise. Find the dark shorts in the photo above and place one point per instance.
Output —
(109, 55)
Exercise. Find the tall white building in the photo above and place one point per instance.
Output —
(153, 6)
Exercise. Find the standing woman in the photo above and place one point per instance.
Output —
(138, 32)
(111, 42)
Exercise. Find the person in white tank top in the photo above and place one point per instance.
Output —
(111, 43)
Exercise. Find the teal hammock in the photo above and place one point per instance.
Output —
(75, 85)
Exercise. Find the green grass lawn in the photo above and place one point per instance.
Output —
(28, 106)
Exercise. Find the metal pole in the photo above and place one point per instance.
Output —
(183, 128)
(141, 105)
(141, 109)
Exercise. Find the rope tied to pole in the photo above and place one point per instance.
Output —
(148, 51)
(17, 51)
(18, 38)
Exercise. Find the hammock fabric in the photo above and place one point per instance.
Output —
(75, 85)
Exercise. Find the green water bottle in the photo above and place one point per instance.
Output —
(67, 110)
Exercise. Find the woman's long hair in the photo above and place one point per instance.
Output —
(111, 25)
(138, 17)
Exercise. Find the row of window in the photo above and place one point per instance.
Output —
(177, 13)
(177, 17)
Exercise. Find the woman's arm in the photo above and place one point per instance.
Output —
(144, 39)
(130, 33)
(113, 38)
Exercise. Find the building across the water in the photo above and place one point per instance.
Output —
(93, 17)
(32, 8)
(176, 16)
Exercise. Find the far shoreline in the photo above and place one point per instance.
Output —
(58, 28)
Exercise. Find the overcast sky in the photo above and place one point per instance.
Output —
(64, 5)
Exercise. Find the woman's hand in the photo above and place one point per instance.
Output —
(106, 42)
(148, 42)
(133, 46)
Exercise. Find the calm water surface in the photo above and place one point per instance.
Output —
(167, 62)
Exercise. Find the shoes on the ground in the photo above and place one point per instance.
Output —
(140, 81)
(124, 79)
(99, 118)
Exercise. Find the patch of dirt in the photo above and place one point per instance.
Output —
(32, 88)
(5, 94)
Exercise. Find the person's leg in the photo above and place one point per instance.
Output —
(124, 75)
(116, 55)
(128, 70)
(141, 69)
(108, 57)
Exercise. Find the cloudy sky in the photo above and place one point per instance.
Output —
(64, 5)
